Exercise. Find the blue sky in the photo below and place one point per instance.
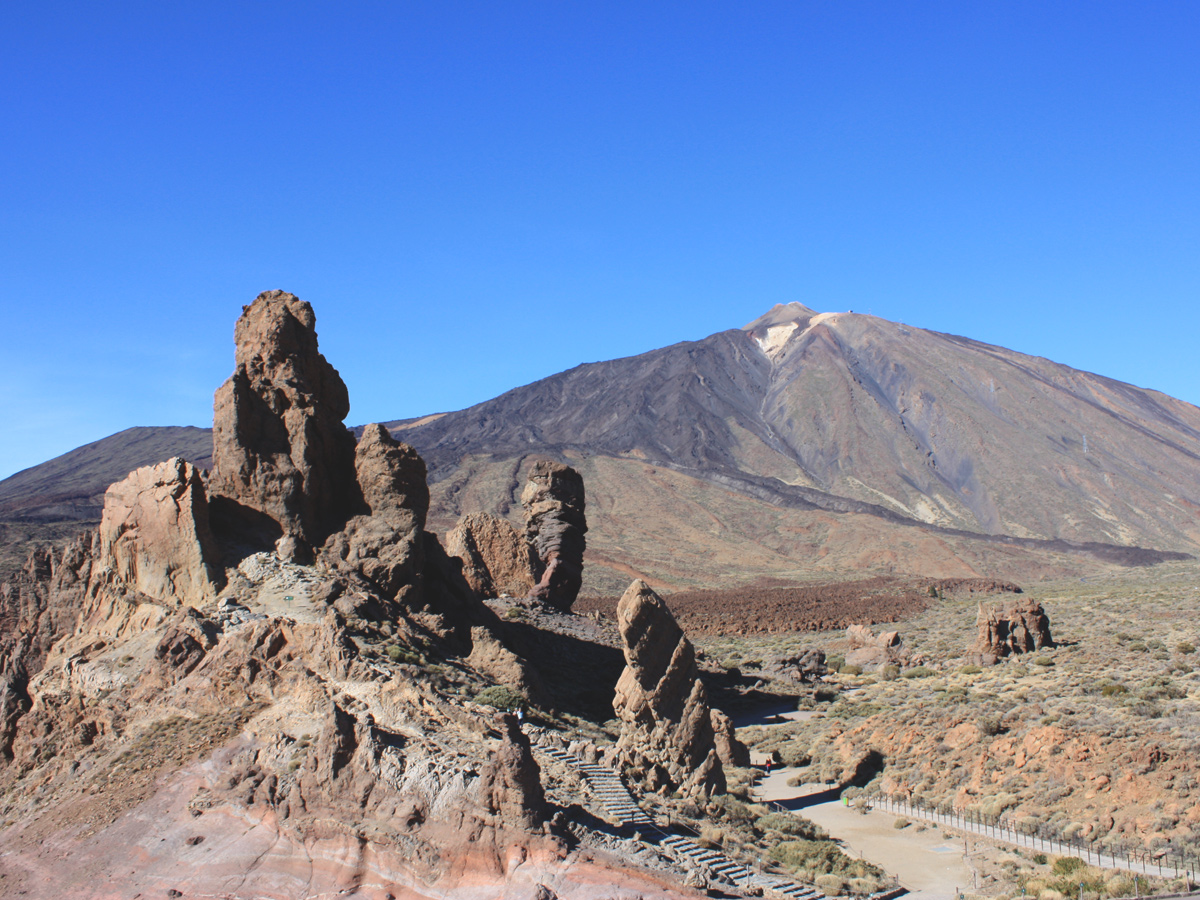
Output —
(477, 195)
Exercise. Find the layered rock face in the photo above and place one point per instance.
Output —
(155, 536)
(283, 462)
(497, 560)
(1020, 626)
(668, 732)
(555, 526)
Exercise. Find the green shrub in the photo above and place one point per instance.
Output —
(794, 757)
(1185, 647)
(789, 824)
(1039, 859)
(500, 696)
(1112, 690)
(890, 672)
(732, 809)
(514, 612)
(835, 663)
(1043, 661)
(1067, 865)
(990, 725)
(918, 672)
(850, 670)
(825, 695)
(820, 858)
(402, 655)
(969, 670)
(901, 824)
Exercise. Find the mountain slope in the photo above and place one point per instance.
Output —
(853, 413)
(804, 442)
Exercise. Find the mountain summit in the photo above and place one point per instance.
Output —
(811, 442)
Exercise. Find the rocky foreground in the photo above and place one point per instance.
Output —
(259, 681)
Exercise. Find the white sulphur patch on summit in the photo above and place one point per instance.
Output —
(777, 335)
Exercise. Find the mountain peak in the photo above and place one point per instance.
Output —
(780, 314)
(773, 329)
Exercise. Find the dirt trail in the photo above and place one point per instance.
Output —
(929, 865)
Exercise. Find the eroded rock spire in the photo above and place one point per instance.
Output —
(283, 462)
(668, 732)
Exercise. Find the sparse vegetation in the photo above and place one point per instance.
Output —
(1106, 706)
(500, 696)
(402, 655)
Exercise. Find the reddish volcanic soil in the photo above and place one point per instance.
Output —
(809, 607)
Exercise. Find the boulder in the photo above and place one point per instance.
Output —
(496, 558)
(667, 728)
(870, 651)
(283, 462)
(802, 667)
(1004, 629)
(155, 536)
(391, 475)
(555, 526)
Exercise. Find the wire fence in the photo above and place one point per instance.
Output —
(1002, 828)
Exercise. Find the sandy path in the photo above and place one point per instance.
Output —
(926, 863)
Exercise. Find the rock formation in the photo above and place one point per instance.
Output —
(385, 542)
(155, 537)
(511, 780)
(870, 651)
(667, 733)
(295, 721)
(555, 526)
(803, 667)
(1020, 626)
(496, 558)
(283, 462)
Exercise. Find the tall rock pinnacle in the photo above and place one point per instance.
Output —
(670, 737)
(283, 462)
(555, 526)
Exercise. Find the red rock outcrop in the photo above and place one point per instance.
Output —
(555, 526)
(155, 536)
(1019, 626)
(667, 733)
(497, 559)
(283, 462)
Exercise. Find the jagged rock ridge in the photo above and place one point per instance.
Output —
(246, 694)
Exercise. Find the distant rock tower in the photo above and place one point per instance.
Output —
(555, 526)
(1020, 626)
